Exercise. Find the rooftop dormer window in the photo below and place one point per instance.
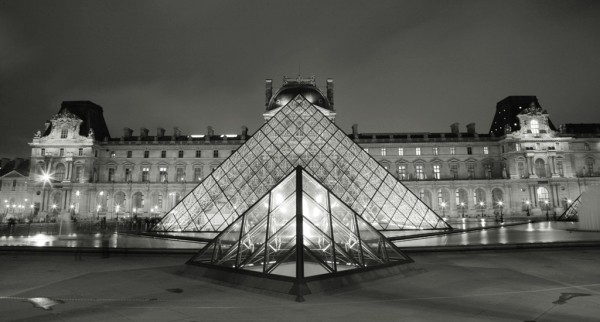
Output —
(535, 127)
(64, 133)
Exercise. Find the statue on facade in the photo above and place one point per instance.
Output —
(37, 134)
(91, 133)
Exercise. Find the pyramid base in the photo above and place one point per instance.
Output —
(251, 281)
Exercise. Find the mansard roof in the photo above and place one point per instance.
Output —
(18, 165)
(92, 116)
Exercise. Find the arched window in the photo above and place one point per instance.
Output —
(497, 195)
(462, 200)
(479, 197)
(443, 197)
(542, 196)
(540, 168)
(589, 166)
(138, 202)
(102, 201)
(59, 172)
(120, 199)
(535, 127)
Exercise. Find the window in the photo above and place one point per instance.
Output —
(419, 171)
(162, 174)
(198, 174)
(129, 154)
(163, 154)
(64, 133)
(469, 150)
(146, 154)
(418, 151)
(180, 174)
(111, 174)
(471, 170)
(127, 174)
(543, 196)
(540, 168)
(180, 154)
(113, 154)
(59, 172)
(486, 150)
(146, 174)
(79, 174)
(80, 152)
(454, 170)
(436, 171)
(589, 164)
(488, 171)
(435, 151)
(440, 197)
(556, 145)
(198, 153)
(215, 153)
(479, 198)
(43, 152)
(535, 127)
(517, 147)
(538, 146)
(461, 199)
(521, 167)
(383, 152)
(452, 150)
(400, 151)
(61, 152)
(402, 172)
(559, 168)
(586, 146)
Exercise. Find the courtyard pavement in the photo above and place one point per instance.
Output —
(511, 285)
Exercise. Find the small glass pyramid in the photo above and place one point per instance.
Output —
(300, 135)
(317, 236)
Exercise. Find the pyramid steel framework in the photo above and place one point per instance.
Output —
(571, 214)
(300, 135)
(298, 232)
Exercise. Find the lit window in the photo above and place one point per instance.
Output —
(535, 127)
(471, 170)
(80, 152)
(400, 151)
(198, 174)
(129, 154)
(419, 171)
(486, 150)
(64, 133)
(180, 175)
(540, 168)
(557, 146)
(113, 154)
(435, 151)
(180, 154)
(146, 154)
(163, 154)
(162, 174)
(521, 167)
(198, 153)
(436, 171)
(402, 172)
(383, 152)
(517, 147)
(469, 150)
(454, 170)
(145, 174)
(61, 152)
(589, 163)
(215, 153)
(418, 151)
(543, 196)
(127, 174)
(43, 152)
(538, 146)
(452, 150)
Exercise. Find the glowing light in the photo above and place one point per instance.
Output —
(197, 136)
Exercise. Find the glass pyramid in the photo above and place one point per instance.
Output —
(571, 214)
(300, 135)
(298, 240)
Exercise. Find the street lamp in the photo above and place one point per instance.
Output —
(462, 205)
(443, 204)
(481, 205)
(117, 209)
(547, 208)
(500, 204)
(527, 202)
(98, 212)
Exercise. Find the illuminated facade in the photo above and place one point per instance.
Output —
(454, 173)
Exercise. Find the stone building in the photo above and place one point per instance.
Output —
(522, 165)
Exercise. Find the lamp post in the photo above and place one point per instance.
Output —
(547, 208)
(500, 204)
(527, 202)
(443, 204)
(481, 205)
(462, 205)
(98, 212)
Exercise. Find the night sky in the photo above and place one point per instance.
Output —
(398, 66)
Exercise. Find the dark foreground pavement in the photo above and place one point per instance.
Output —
(515, 285)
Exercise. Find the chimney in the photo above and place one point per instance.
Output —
(355, 131)
(471, 128)
(209, 133)
(330, 90)
(127, 132)
(160, 132)
(244, 133)
(176, 132)
(268, 90)
(143, 133)
(454, 128)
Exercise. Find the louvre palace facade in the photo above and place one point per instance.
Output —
(523, 165)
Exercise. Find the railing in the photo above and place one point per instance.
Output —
(70, 227)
